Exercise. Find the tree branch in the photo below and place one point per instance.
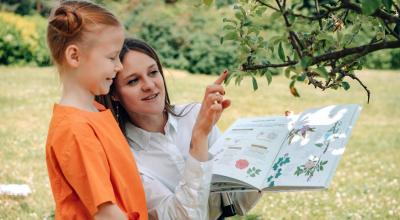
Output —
(267, 5)
(268, 65)
(352, 76)
(349, 51)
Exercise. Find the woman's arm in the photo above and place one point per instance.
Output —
(210, 111)
(189, 198)
(242, 201)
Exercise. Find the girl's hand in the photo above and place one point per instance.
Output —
(212, 106)
(211, 109)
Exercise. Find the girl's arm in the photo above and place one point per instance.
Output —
(109, 211)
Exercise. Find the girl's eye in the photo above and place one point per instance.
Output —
(113, 58)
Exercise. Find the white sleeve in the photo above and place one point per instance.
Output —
(190, 198)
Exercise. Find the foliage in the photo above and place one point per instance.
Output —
(27, 7)
(321, 43)
(184, 40)
(22, 40)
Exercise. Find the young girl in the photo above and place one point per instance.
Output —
(92, 173)
(175, 179)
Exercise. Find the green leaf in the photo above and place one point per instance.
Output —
(281, 52)
(230, 77)
(325, 36)
(230, 21)
(208, 2)
(239, 16)
(275, 15)
(293, 90)
(269, 77)
(345, 85)
(302, 77)
(287, 72)
(306, 61)
(260, 10)
(387, 3)
(255, 85)
(231, 36)
(322, 72)
(369, 6)
(229, 27)
(238, 7)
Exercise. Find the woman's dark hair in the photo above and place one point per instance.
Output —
(120, 114)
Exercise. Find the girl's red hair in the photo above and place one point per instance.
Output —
(70, 20)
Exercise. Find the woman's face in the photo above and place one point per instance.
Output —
(139, 86)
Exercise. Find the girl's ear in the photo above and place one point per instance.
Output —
(72, 55)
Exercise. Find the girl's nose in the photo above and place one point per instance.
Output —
(118, 66)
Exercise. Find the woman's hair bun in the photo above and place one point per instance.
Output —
(67, 21)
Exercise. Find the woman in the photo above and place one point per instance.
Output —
(176, 182)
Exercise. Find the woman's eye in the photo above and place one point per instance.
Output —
(153, 73)
(133, 81)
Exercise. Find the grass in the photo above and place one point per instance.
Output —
(366, 185)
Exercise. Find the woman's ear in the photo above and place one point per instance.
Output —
(72, 55)
(114, 98)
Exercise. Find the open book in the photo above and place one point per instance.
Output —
(281, 153)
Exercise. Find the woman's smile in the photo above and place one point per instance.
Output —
(151, 97)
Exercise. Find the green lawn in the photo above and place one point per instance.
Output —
(366, 185)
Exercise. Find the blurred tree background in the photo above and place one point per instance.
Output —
(186, 34)
(192, 36)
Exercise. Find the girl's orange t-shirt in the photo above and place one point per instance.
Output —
(90, 163)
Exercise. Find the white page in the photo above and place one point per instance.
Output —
(327, 130)
(247, 149)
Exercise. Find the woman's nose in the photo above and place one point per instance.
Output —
(148, 84)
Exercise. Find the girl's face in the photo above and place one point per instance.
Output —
(140, 86)
(100, 60)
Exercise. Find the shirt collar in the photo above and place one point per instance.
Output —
(141, 138)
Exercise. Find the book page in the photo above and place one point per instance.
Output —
(311, 152)
(247, 149)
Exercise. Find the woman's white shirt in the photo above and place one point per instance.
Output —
(177, 186)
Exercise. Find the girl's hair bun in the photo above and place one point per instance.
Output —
(67, 21)
(70, 21)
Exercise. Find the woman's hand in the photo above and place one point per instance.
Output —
(212, 106)
(211, 109)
